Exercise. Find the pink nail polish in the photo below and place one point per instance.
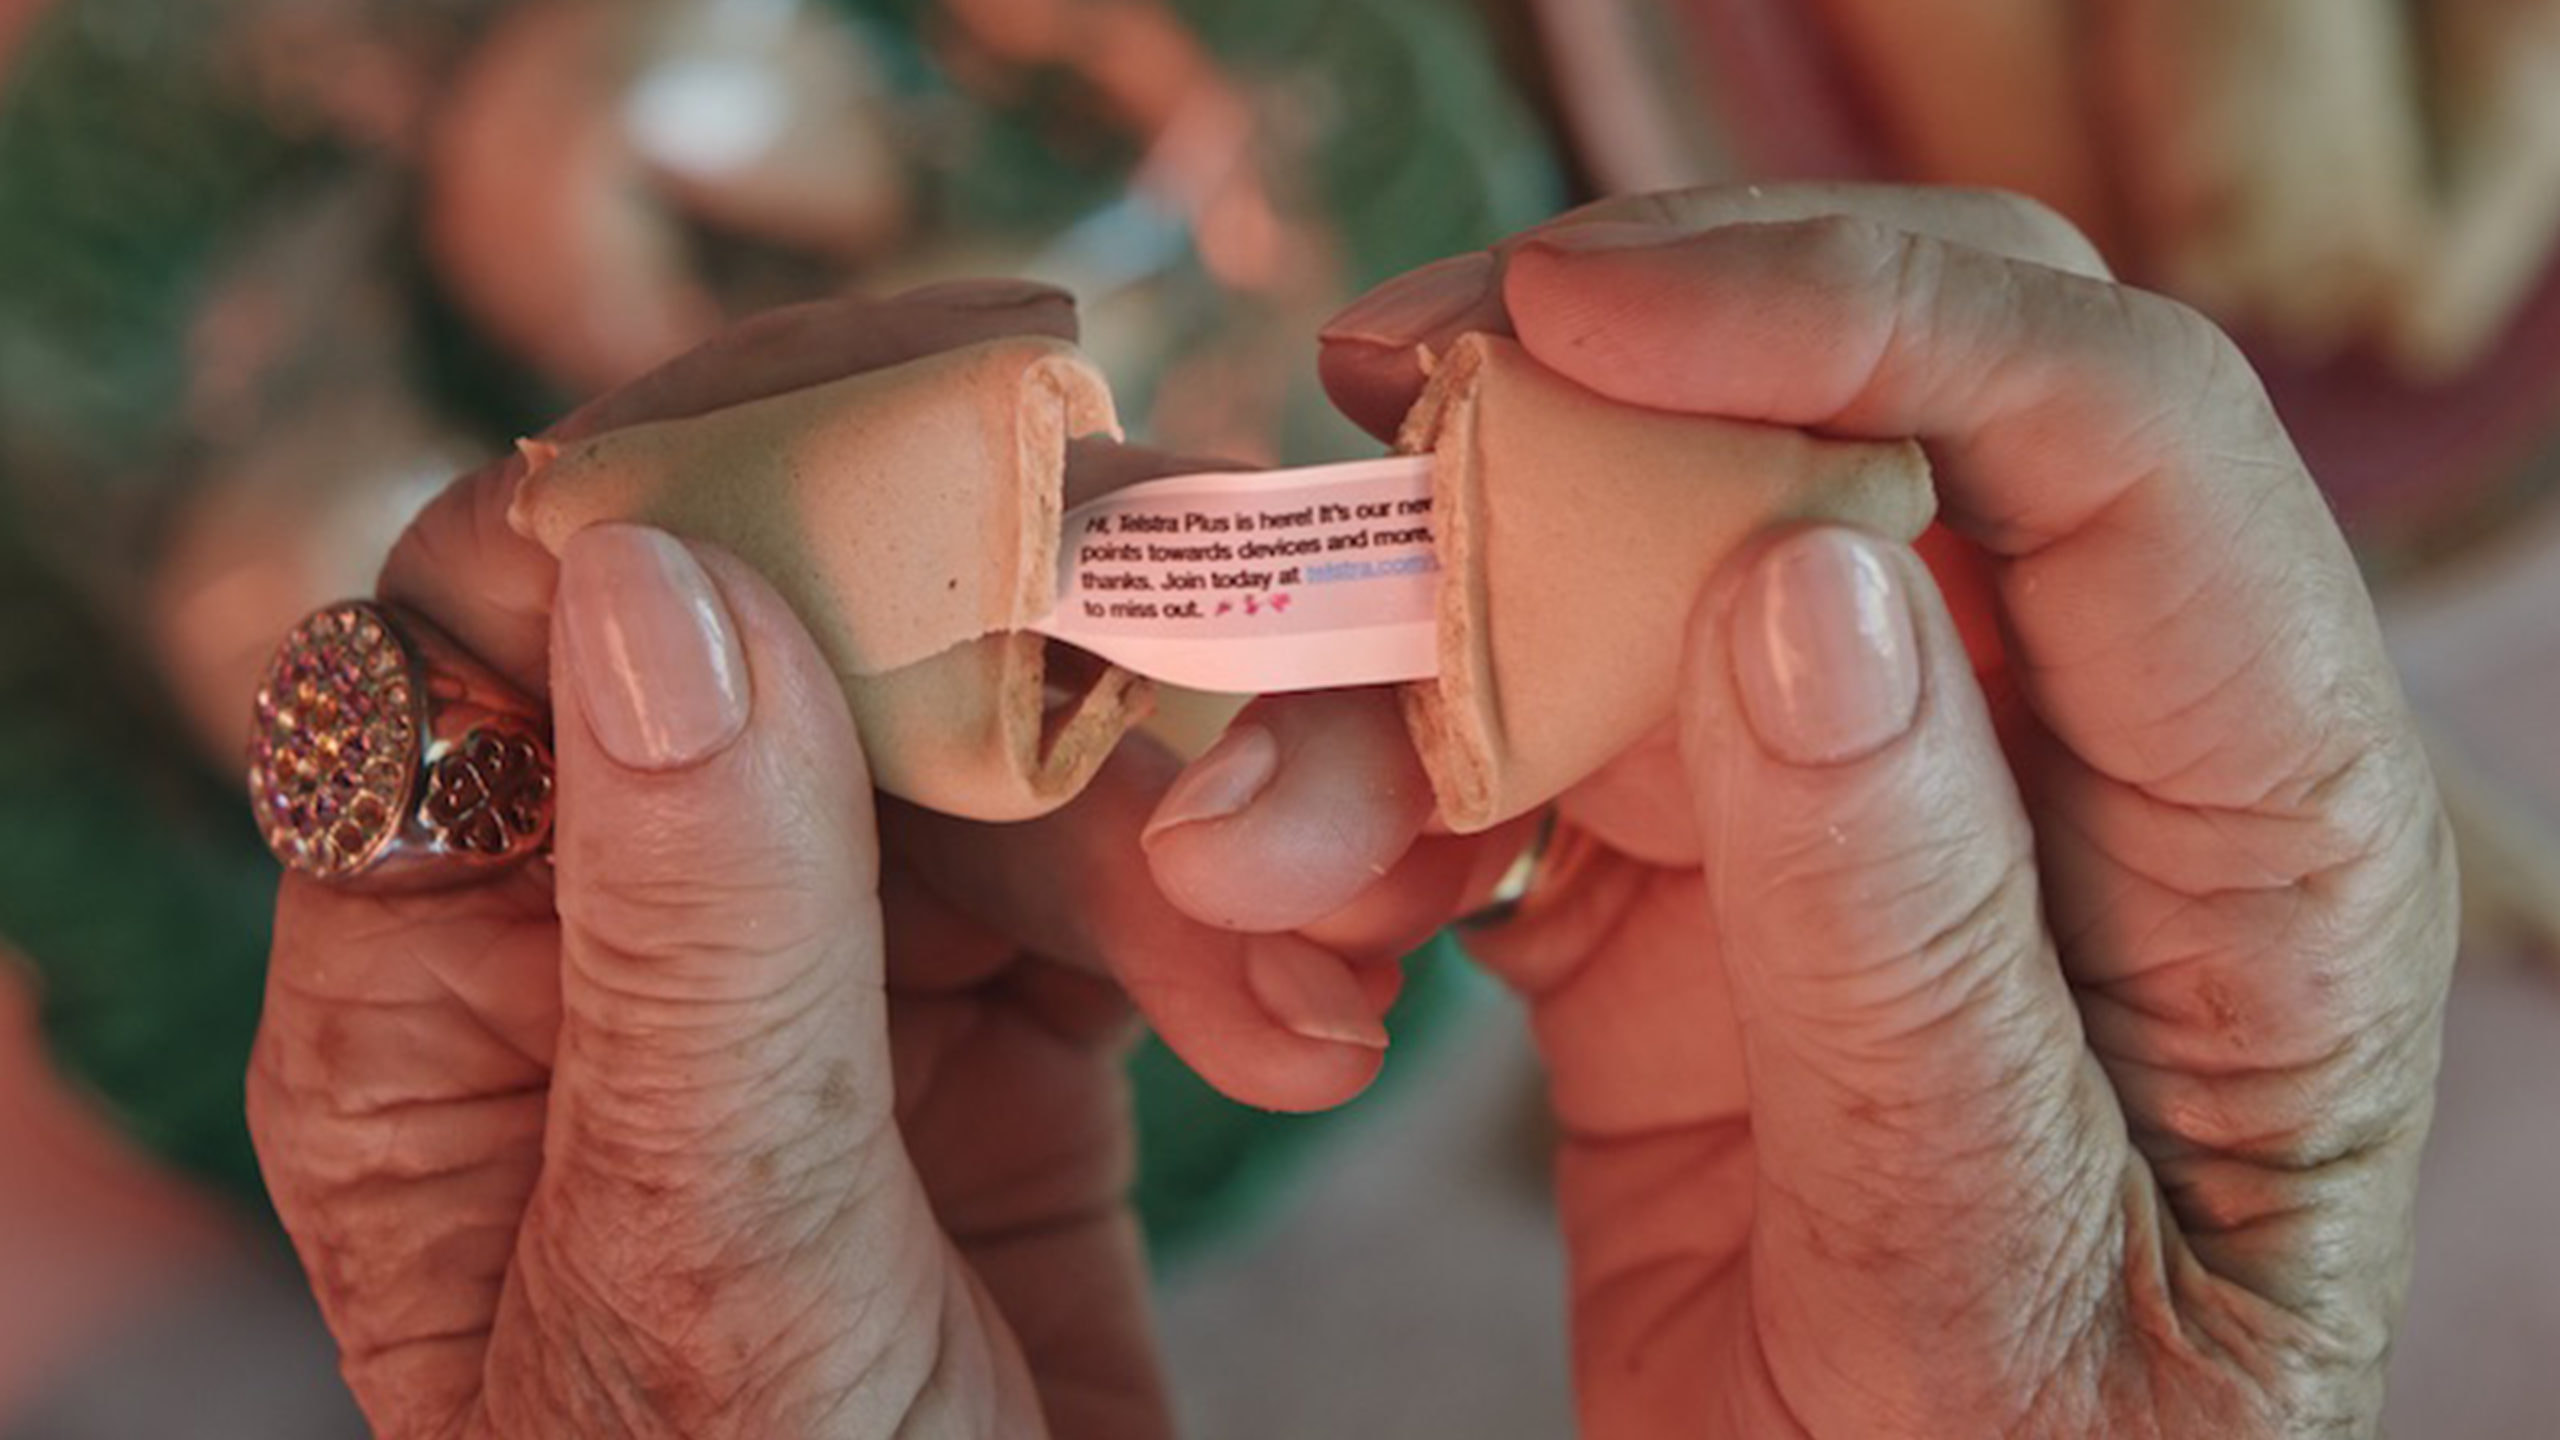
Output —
(1312, 993)
(1221, 782)
(1823, 648)
(650, 646)
(1415, 304)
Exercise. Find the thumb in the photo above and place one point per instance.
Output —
(722, 1089)
(1923, 1104)
(717, 864)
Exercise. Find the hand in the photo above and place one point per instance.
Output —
(2046, 1053)
(748, 1116)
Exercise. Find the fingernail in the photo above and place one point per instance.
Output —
(1219, 783)
(650, 647)
(1414, 304)
(1603, 235)
(1823, 648)
(985, 294)
(1312, 993)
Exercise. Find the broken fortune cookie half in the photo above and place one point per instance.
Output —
(1574, 535)
(910, 516)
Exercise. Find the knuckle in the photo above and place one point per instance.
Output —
(692, 880)
(1904, 888)
(1910, 964)
(1899, 991)
(270, 1111)
(1850, 246)
(707, 915)
(2027, 228)
(2361, 794)
(2191, 363)
(1888, 279)
(431, 542)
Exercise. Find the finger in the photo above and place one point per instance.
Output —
(1286, 1021)
(1342, 793)
(1305, 802)
(717, 872)
(723, 1084)
(1922, 1101)
(1443, 880)
(1370, 357)
(1370, 362)
(395, 1095)
(463, 566)
(1310, 815)
(1277, 1021)
(2241, 839)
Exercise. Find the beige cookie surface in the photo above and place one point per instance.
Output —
(1575, 534)
(910, 516)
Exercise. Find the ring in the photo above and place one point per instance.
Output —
(383, 757)
(1520, 879)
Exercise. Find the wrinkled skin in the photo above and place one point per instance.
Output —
(2053, 1060)
(2058, 1064)
(622, 1145)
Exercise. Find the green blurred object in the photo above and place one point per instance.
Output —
(137, 151)
(131, 878)
(126, 166)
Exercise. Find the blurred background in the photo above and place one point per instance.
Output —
(272, 271)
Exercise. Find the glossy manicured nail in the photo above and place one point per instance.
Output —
(1221, 782)
(1415, 304)
(651, 648)
(1312, 993)
(1823, 648)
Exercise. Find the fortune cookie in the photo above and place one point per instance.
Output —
(911, 517)
(1574, 534)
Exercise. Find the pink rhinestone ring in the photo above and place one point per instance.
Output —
(383, 757)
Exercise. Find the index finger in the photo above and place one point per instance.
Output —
(1372, 356)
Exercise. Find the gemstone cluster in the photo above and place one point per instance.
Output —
(334, 750)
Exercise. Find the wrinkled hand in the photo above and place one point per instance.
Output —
(2045, 1053)
(748, 1116)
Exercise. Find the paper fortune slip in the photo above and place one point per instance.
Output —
(1259, 581)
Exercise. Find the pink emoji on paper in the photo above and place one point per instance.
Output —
(1280, 601)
